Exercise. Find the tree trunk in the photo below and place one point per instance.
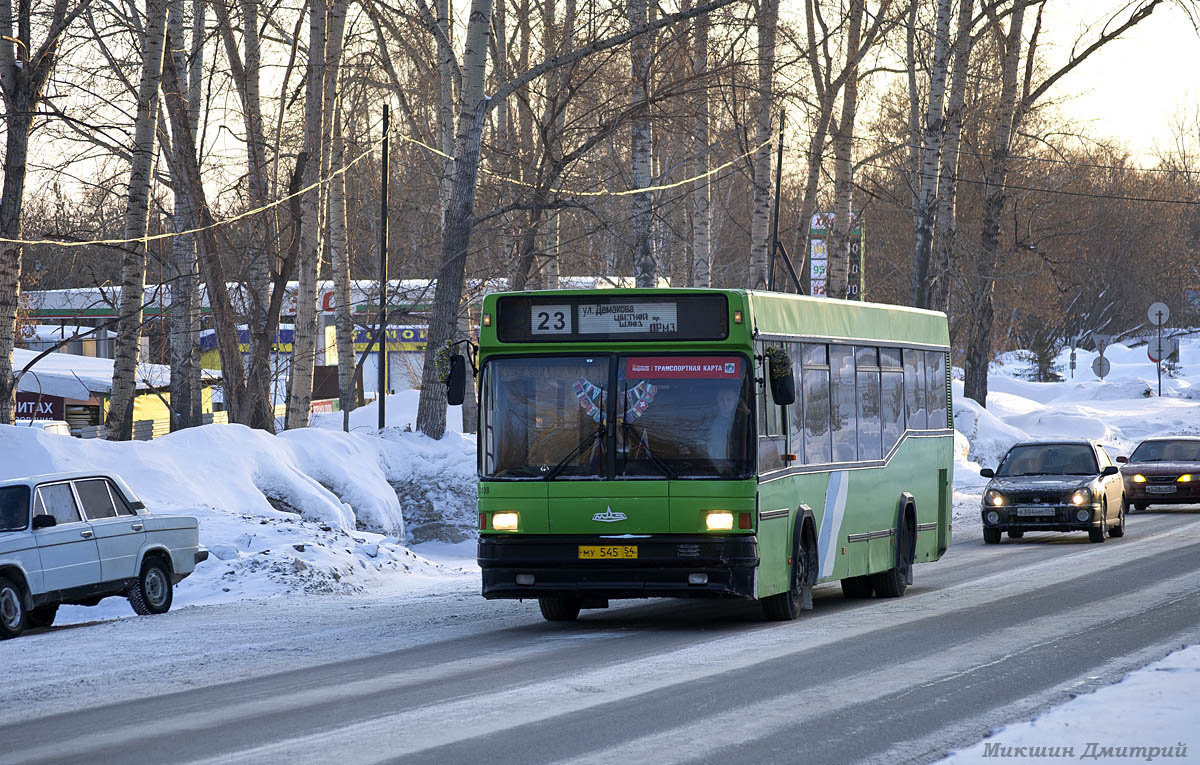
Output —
(304, 336)
(760, 216)
(843, 146)
(186, 393)
(928, 178)
(645, 268)
(19, 115)
(340, 251)
(983, 279)
(119, 421)
(701, 216)
(445, 115)
(946, 225)
(186, 167)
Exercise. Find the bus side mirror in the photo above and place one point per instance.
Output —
(456, 381)
(783, 389)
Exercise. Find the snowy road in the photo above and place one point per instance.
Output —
(986, 636)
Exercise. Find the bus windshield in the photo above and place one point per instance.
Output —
(548, 417)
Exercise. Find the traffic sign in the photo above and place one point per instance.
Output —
(1158, 313)
(1101, 367)
(1101, 341)
(1163, 348)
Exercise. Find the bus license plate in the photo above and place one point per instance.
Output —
(1035, 511)
(1160, 489)
(607, 552)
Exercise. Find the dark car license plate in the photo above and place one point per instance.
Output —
(1035, 511)
(1160, 489)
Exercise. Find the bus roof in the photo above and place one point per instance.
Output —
(783, 316)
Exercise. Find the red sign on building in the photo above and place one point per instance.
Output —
(32, 406)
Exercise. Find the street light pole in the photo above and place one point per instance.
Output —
(383, 274)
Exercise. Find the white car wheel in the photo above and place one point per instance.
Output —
(12, 609)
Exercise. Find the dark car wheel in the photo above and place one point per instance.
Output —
(43, 616)
(12, 609)
(153, 592)
(991, 536)
(1015, 533)
(559, 609)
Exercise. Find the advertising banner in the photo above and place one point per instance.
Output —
(684, 367)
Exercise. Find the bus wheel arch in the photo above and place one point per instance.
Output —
(893, 582)
(802, 574)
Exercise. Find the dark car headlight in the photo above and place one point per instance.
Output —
(1081, 497)
(993, 498)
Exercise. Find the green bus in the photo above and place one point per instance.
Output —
(639, 443)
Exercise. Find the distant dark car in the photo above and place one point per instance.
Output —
(1054, 486)
(1163, 471)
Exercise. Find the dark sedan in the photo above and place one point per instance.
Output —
(1163, 471)
(1054, 486)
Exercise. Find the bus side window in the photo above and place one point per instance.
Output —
(891, 408)
(914, 388)
(869, 424)
(844, 401)
(935, 368)
(772, 441)
(814, 389)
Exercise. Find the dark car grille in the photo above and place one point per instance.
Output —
(1162, 478)
(1032, 498)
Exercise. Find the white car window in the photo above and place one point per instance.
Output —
(14, 508)
(58, 500)
(97, 503)
(119, 500)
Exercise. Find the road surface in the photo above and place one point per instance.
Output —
(988, 635)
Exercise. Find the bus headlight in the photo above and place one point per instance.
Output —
(505, 521)
(1082, 497)
(719, 521)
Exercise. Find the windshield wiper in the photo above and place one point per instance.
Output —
(588, 439)
(657, 461)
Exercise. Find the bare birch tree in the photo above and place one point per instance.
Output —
(645, 269)
(760, 215)
(25, 66)
(119, 421)
(843, 150)
(701, 216)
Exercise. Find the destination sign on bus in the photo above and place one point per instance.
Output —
(628, 318)
(597, 317)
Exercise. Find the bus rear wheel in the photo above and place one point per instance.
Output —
(559, 609)
(893, 582)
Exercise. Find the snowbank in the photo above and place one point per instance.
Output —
(314, 510)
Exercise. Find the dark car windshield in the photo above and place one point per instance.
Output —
(1167, 451)
(14, 508)
(549, 417)
(1049, 459)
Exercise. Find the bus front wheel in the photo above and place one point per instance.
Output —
(786, 606)
(559, 609)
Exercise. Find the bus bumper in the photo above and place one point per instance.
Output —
(662, 569)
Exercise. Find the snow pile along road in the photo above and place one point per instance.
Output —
(309, 510)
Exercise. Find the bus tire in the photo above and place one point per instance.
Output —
(857, 587)
(893, 582)
(786, 606)
(559, 609)
(991, 536)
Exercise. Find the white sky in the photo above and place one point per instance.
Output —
(1131, 89)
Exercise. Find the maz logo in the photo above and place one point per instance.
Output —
(608, 516)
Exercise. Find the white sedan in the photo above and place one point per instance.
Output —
(76, 538)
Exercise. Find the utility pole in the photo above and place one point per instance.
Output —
(383, 274)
